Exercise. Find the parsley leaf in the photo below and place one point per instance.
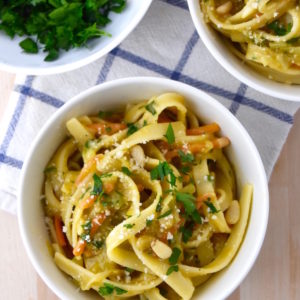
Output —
(98, 185)
(279, 29)
(50, 169)
(211, 206)
(174, 256)
(167, 213)
(128, 226)
(170, 134)
(187, 200)
(162, 170)
(186, 233)
(172, 269)
(131, 129)
(87, 226)
(150, 107)
(126, 171)
(98, 244)
(120, 291)
(108, 289)
(186, 157)
(158, 206)
(29, 46)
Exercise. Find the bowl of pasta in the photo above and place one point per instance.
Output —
(144, 188)
(256, 41)
(50, 37)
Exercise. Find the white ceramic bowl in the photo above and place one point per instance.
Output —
(242, 153)
(13, 59)
(215, 44)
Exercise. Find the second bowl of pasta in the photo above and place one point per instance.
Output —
(255, 41)
(150, 190)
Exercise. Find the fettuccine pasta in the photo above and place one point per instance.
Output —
(142, 203)
(263, 33)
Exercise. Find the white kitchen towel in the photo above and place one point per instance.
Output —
(164, 44)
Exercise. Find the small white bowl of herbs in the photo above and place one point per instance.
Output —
(42, 37)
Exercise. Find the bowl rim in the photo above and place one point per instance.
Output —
(244, 77)
(51, 70)
(156, 81)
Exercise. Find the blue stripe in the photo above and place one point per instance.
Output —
(10, 161)
(45, 98)
(178, 3)
(106, 67)
(15, 118)
(238, 98)
(137, 60)
(280, 115)
(185, 55)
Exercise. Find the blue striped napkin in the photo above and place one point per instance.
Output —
(164, 44)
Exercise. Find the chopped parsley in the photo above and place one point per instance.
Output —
(211, 206)
(108, 129)
(170, 134)
(29, 46)
(185, 169)
(187, 232)
(131, 128)
(150, 107)
(129, 270)
(108, 289)
(128, 226)
(98, 184)
(126, 171)
(50, 169)
(173, 259)
(279, 29)
(86, 237)
(149, 222)
(162, 170)
(186, 157)
(158, 206)
(87, 226)
(172, 269)
(187, 200)
(56, 24)
(167, 213)
(98, 244)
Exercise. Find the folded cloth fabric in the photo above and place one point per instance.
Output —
(164, 44)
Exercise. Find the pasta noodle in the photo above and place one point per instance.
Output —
(140, 203)
(263, 33)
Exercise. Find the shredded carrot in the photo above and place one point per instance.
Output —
(186, 178)
(59, 233)
(88, 202)
(201, 198)
(197, 147)
(108, 186)
(89, 167)
(210, 128)
(79, 248)
(97, 222)
(221, 142)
